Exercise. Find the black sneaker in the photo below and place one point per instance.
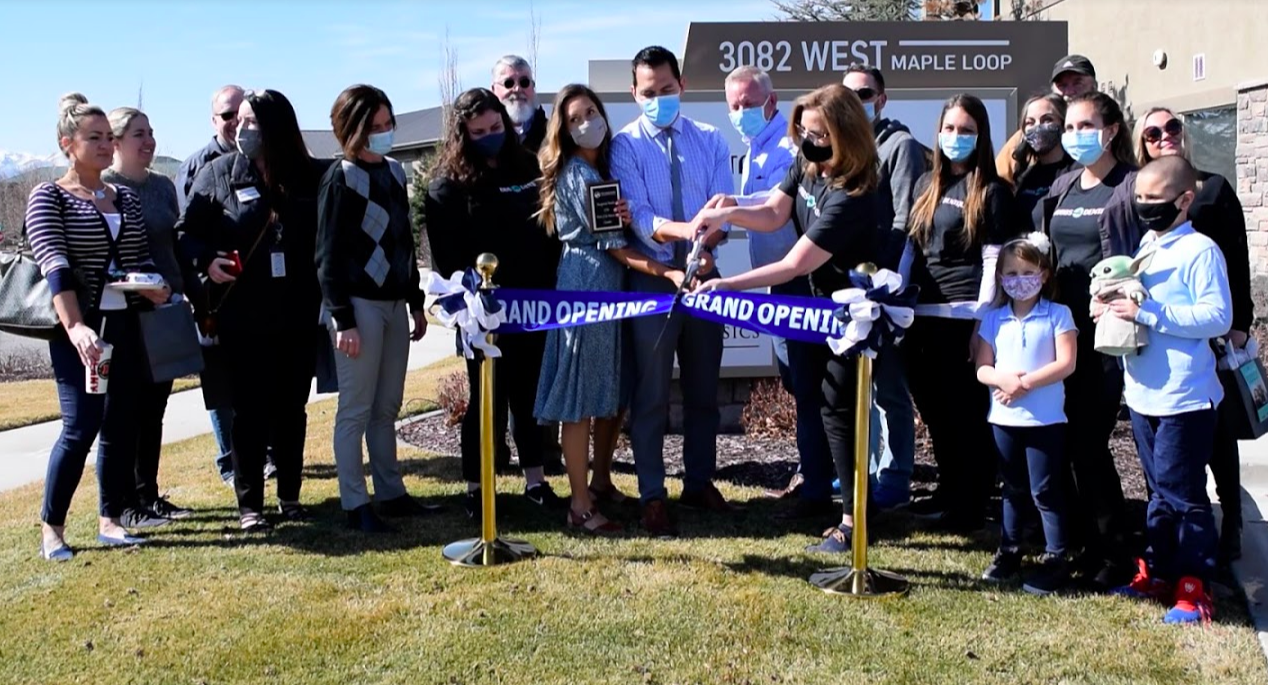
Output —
(1053, 574)
(252, 522)
(928, 509)
(365, 520)
(138, 518)
(543, 495)
(294, 512)
(1004, 567)
(472, 505)
(164, 507)
(406, 506)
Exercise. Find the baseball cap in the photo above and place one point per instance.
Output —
(1075, 63)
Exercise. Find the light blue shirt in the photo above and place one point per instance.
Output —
(1027, 345)
(640, 161)
(1189, 303)
(770, 155)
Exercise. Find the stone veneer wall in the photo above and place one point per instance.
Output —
(1252, 170)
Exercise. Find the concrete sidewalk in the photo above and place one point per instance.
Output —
(24, 452)
(1252, 569)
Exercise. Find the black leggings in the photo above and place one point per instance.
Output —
(837, 410)
(953, 406)
(151, 407)
(514, 389)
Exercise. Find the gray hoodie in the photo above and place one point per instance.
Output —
(903, 161)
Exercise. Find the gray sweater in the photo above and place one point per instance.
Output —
(158, 207)
(902, 160)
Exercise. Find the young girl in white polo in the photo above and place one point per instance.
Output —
(1029, 350)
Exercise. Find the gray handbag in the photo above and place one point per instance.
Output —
(170, 338)
(26, 302)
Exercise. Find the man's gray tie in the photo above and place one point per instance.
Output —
(682, 248)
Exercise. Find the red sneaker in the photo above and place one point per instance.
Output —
(1144, 586)
(1193, 604)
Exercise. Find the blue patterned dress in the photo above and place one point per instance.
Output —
(581, 369)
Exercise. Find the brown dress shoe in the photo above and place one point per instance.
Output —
(793, 488)
(656, 521)
(708, 499)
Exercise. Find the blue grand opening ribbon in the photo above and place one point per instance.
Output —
(462, 305)
(876, 312)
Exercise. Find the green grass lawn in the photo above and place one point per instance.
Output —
(23, 403)
(729, 603)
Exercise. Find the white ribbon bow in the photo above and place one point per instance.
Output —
(864, 312)
(472, 321)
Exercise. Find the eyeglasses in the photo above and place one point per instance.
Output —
(865, 94)
(1173, 128)
(814, 138)
(228, 116)
(524, 82)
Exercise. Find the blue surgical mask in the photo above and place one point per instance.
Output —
(1084, 146)
(380, 143)
(490, 145)
(957, 147)
(869, 108)
(661, 111)
(750, 122)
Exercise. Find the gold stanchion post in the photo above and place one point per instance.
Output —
(859, 580)
(488, 549)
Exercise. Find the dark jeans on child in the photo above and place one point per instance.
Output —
(1033, 464)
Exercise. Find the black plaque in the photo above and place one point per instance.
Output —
(602, 205)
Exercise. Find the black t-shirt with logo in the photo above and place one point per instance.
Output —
(1034, 183)
(950, 270)
(1075, 230)
(835, 222)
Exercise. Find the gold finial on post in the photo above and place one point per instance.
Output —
(486, 265)
(867, 268)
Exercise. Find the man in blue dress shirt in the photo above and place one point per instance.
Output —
(669, 167)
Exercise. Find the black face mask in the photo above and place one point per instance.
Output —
(814, 153)
(1156, 216)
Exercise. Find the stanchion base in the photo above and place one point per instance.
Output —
(865, 584)
(472, 552)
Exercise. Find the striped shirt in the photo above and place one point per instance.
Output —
(72, 244)
(640, 161)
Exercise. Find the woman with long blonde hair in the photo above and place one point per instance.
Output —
(580, 381)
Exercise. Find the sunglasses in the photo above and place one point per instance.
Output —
(814, 138)
(228, 116)
(1173, 128)
(524, 82)
(865, 94)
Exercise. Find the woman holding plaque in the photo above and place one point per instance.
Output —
(484, 198)
(830, 196)
(581, 370)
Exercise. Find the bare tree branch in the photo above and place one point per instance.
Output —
(849, 10)
(534, 36)
(450, 81)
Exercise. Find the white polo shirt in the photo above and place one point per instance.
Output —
(1027, 345)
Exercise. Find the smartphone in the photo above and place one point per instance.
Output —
(234, 269)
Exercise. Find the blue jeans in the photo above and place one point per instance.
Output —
(109, 418)
(893, 439)
(801, 372)
(1033, 463)
(222, 428)
(1179, 525)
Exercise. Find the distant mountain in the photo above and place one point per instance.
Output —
(17, 167)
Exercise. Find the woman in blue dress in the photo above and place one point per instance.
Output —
(580, 381)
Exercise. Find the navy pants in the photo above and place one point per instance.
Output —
(109, 418)
(801, 371)
(1033, 464)
(1179, 526)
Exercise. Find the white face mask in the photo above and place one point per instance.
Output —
(590, 134)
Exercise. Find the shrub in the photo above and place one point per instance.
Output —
(771, 412)
(453, 397)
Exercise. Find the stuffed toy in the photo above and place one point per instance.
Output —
(1112, 279)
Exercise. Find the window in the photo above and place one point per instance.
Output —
(1213, 140)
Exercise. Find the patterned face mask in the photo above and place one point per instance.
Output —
(1022, 287)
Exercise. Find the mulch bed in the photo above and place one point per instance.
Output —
(767, 462)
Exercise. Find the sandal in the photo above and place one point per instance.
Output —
(608, 495)
(255, 523)
(594, 523)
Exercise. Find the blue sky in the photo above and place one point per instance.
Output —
(182, 51)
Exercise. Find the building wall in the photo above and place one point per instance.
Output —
(1120, 37)
(1252, 170)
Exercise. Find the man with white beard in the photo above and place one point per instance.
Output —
(514, 85)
